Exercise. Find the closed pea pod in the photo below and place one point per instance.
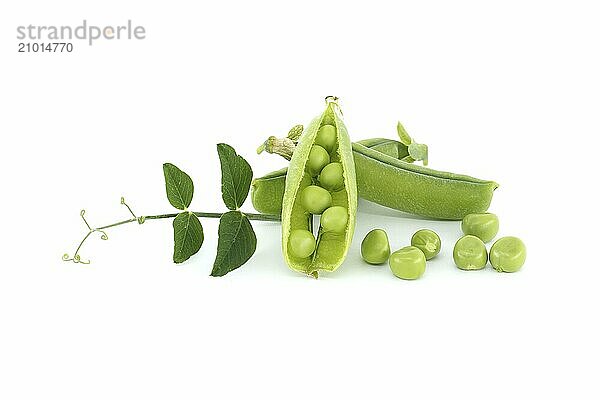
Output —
(267, 192)
(418, 190)
(298, 206)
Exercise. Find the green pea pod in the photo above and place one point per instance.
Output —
(382, 177)
(267, 191)
(331, 247)
(419, 190)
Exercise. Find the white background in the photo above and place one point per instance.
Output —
(499, 90)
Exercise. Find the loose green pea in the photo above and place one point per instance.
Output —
(317, 159)
(315, 199)
(375, 247)
(326, 137)
(408, 263)
(470, 253)
(428, 242)
(508, 254)
(302, 243)
(334, 219)
(332, 176)
(484, 226)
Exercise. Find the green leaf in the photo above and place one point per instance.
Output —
(188, 236)
(180, 188)
(236, 176)
(237, 243)
(405, 138)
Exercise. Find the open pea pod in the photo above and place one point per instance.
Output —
(305, 196)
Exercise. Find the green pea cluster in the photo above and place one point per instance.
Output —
(406, 263)
(327, 178)
(507, 254)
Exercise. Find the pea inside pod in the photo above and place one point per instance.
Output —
(332, 176)
(326, 137)
(334, 219)
(306, 196)
(317, 159)
(315, 199)
(302, 243)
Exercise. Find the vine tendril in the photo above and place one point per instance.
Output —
(76, 258)
(82, 214)
(126, 205)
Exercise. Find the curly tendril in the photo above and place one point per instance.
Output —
(76, 258)
(129, 208)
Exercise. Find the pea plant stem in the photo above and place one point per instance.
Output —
(140, 220)
(251, 216)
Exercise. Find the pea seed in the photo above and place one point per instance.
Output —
(326, 137)
(315, 199)
(408, 263)
(484, 226)
(302, 243)
(334, 219)
(428, 242)
(508, 254)
(470, 253)
(317, 159)
(332, 177)
(375, 247)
